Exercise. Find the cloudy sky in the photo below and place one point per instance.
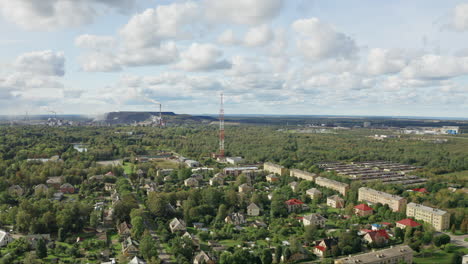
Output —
(322, 57)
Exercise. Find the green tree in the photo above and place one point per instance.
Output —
(148, 247)
(266, 256)
(41, 249)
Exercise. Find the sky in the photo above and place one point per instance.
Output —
(297, 57)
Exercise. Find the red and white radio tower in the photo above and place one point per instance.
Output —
(221, 129)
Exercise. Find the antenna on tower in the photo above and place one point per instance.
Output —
(221, 128)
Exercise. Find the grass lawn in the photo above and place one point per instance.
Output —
(439, 257)
(165, 164)
(127, 168)
(229, 243)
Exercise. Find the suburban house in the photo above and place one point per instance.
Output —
(40, 189)
(136, 260)
(363, 210)
(216, 181)
(314, 219)
(5, 238)
(109, 186)
(235, 219)
(314, 193)
(324, 246)
(335, 201)
(124, 229)
(199, 177)
(177, 225)
(191, 182)
(407, 222)
(253, 210)
(379, 237)
(295, 205)
(55, 182)
(272, 178)
(203, 258)
(67, 188)
(15, 190)
(130, 247)
(195, 240)
(293, 186)
(244, 188)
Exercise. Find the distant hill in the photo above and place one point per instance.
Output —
(115, 118)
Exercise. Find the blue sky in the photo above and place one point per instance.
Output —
(406, 58)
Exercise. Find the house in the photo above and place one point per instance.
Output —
(203, 258)
(194, 239)
(293, 185)
(216, 181)
(192, 163)
(258, 224)
(98, 178)
(323, 247)
(420, 190)
(5, 238)
(274, 168)
(245, 188)
(235, 219)
(363, 210)
(314, 219)
(191, 182)
(40, 189)
(177, 225)
(109, 186)
(124, 229)
(314, 193)
(335, 201)
(407, 222)
(253, 210)
(108, 218)
(58, 196)
(67, 188)
(378, 237)
(272, 178)
(55, 182)
(167, 178)
(198, 177)
(15, 190)
(110, 173)
(394, 254)
(295, 205)
(140, 173)
(136, 260)
(164, 172)
(130, 247)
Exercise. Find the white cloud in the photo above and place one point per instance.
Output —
(53, 14)
(154, 25)
(100, 62)
(41, 62)
(436, 67)
(460, 17)
(258, 36)
(94, 42)
(228, 38)
(333, 82)
(202, 57)
(384, 61)
(243, 66)
(242, 11)
(318, 40)
(165, 54)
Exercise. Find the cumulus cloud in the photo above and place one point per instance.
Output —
(100, 62)
(151, 27)
(242, 12)
(94, 42)
(165, 54)
(228, 38)
(41, 62)
(460, 17)
(432, 66)
(318, 40)
(258, 36)
(202, 57)
(383, 61)
(53, 14)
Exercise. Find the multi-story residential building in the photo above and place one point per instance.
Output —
(314, 193)
(395, 202)
(274, 168)
(335, 201)
(331, 184)
(439, 219)
(398, 254)
(302, 175)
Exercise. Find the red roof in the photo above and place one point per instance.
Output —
(421, 190)
(320, 248)
(363, 207)
(378, 233)
(110, 173)
(386, 223)
(408, 222)
(294, 202)
(366, 230)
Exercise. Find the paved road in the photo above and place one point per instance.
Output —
(458, 240)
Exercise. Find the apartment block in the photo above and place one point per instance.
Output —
(398, 254)
(395, 202)
(274, 168)
(331, 184)
(308, 176)
(439, 219)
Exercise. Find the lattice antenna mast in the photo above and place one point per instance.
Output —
(221, 128)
